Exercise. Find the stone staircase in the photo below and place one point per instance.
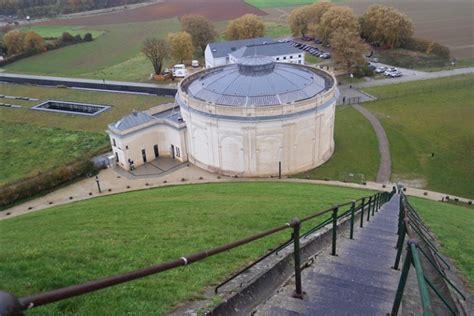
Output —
(358, 281)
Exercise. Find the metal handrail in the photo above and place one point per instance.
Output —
(11, 305)
(408, 226)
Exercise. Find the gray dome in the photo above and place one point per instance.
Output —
(257, 81)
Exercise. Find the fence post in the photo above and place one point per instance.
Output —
(9, 305)
(400, 242)
(370, 206)
(296, 224)
(362, 213)
(334, 230)
(425, 296)
(375, 205)
(352, 219)
(401, 283)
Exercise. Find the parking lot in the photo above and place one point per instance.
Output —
(310, 46)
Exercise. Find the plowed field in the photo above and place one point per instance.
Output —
(216, 10)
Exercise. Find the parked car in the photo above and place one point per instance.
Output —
(195, 63)
(325, 56)
(371, 66)
(389, 71)
(318, 41)
(395, 74)
(380, 70)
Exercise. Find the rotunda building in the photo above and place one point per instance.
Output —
(254, 117)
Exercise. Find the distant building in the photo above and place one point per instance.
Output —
(219, 54)
(242, 119)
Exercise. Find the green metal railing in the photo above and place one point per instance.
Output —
(410, 224)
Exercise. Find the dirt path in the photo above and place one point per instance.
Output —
(385, 167)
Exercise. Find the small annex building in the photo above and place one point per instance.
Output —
(223, 53)
(244, 119)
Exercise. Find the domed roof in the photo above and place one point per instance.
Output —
(257, 81)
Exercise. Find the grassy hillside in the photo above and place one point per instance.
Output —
(356, 158)
(429, 117)
(27, 149)
(119, 45)
(121, 105)
(85, 240)
(454, 227)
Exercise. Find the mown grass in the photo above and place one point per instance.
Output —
(277, 30)
(121, 105)
(356, 157)
(81, 241)
(426, 118)
(57, 31)
(119, 45)
(454, 227)
(27, 149)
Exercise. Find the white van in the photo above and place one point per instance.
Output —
(179, 71)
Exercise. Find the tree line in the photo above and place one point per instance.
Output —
(42, 8)
(348, 35)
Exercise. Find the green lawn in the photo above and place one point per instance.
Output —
(262, 4)
(277, 30)
(57, 31)
(356, 158)
(122, 104)
(85, 240)
(454, 227)
(425, 117)
(113, 55)
(27, 149)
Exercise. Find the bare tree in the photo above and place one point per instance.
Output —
(155, 50)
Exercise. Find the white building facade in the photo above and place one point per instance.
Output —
(224, 53)
(247, 119)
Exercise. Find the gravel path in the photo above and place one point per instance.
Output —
(385, 167)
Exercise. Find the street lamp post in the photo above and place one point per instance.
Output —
(98, 183)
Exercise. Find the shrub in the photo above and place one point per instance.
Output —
(45, 181)
(363, 71)
(67, 37)
(435, 48)
(88, 37)
(78, 38)
(416, 44)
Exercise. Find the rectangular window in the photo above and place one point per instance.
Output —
(291, 57)
(299, 56)
(157, 153)
(278, 58)
(178, 153)
(115, 144)
(284, 57)
(299, 61)
(117, 157)
(144, 155)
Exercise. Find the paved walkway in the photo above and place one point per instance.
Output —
(358, 281)
(385, 167)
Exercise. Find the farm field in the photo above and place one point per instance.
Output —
(27, 149)
(356, 157)
(57, 31)
(225, 10)
(104, 236)
(426, 118)
(454, 227)
(121, 105)
(449, 22)
(262, 4)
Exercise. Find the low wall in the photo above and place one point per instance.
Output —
(130, 87)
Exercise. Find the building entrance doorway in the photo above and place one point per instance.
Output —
(157, 153)
(144, 155)
(172, 152)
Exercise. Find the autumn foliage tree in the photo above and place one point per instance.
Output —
(156, 51)
(14, 42)
(386, 26)
(303, 20)
(201, 29)
(348, 49)
(336, 19)
(33, 42)
(247, 26)
(181, 46)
